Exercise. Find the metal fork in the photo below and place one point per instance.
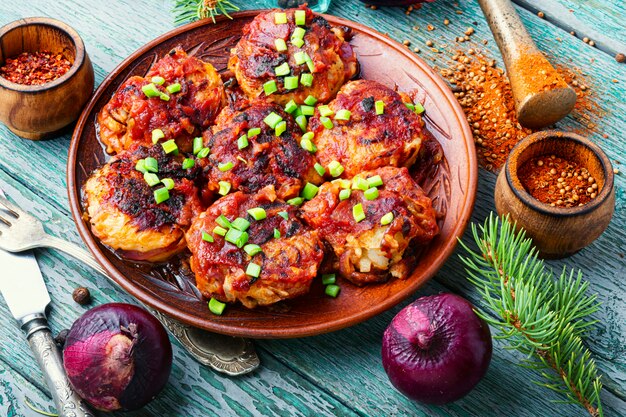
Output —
(20, 231)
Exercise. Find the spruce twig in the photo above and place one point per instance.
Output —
(190, 10)
(543, 317)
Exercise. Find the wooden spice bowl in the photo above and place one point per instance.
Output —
(557, 232)
(37, 111)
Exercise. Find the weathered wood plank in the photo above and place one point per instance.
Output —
(15, 391)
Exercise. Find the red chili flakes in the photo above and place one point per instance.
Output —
(35, 68)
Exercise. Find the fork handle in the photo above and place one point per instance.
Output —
(74, 251)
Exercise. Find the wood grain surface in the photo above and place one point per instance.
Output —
(338, 373)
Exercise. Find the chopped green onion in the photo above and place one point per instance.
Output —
(335, 168)
(254, 131)
(309, 63)
(281, 128)
(220, 231)
(295, 201)
(253, 270)
(158, 80)
(326, 122)
(252, 249)
(281, 45)
(343, 115)
(346, 184)
(308, 135)
(150, 90)
(328, 279)
(298, 33)
(151, 164)
(307, 110)
(204, 152)
(386, 219)
(344, 194)
(224, 187)
(371, 193)
(207, 237)
(309, 191)
(240, 224)
(257, 213)
(272, 120)
(280, 18)
(188, 163)
(223, 221)
(410, 106)
(332, 290)
(242, 142)
(310, 101)
(306, 79)
(307, 145)
(299, 57)
(284, 215)
(297, 42)
(291, 83)
(197, 145)
(300, 17)
(320, 169)
(161, 195)
(282, 69)
(151, 179)
(375, 181)
(236, 237)
(358, 213)
(359, 183)
(141, 166)
(297, 113)
(270, 87)
(302, 122)
(169, 183)
(164, 97)
(226, 166)
(216, 307)
(419, 108)
(156, 135)
(170, 147)
(173, 88)
(380, 106)
(325, 111)
(276, 233)
(291, 107)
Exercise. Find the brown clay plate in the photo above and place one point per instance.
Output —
(452, 186)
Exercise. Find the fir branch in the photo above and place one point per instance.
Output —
(190, 10)
(541, 316)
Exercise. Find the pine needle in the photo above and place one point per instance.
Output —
(543, 317)
(186, 11)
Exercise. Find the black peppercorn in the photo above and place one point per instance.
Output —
(81, 295)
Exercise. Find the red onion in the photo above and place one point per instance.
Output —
(117, 357)
(436, 349)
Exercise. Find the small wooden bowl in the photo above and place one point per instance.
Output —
(557, 232)
(37, 111)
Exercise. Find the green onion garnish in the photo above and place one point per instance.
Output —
(310, 101)
(224, 187)
(170, 147)
(141, 166)
(297, 42)
(326, 122)
(346, 184)
(223, 221)
(272, 120)
(302, 122)
(276, 233)
(257, 213)
(307, 144)
(344, 194)
(173, 88)
(151, 179)
(280, 18)
(296, 201)
(371, 193)
(375, 181)
(169, 183)
(343, 115)
(380, 106)
(252, 249)
(325, 111)
(282, 69)
(320, 169)
(156, 135)
(204, 152)
(328, 279)
(284, 215)
(253, 270)
(242, 142)
(306, 79)
(419, 108)
(226, 166)
(281, 45)
(332, 290)
(270, 87)
(151, 164)
(291, 83)
(254, 131)
(158, 80)
(281, 128)
(164, 97)
(236, 237)
(386, 219)
(335, 168)
(161, 195)
(298, 33)
(358, 213)
(307, 110)
(220, 231)
(240, 224)
(359, 183)
(300, 17)
(309, 63)
(410, 106)
(197, 145)
(207, 237)
(297, 113)
(216, 307)
(150, 90)
(309, 191)
(188, 163)
(291, 107)
(299, 57)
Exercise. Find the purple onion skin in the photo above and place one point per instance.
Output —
(395, 2)
(117, 357)
(436, 349)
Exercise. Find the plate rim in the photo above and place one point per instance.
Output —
(262, 333)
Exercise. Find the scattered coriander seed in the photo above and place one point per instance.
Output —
(446, 22)
(621, 58)
(429, 43)
(406, 42)
(541, 14)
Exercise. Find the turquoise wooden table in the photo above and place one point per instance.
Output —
(338, 373)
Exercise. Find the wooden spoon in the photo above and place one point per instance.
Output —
(541, 95)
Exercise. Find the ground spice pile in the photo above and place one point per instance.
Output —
(35, 68)
(557, 182)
